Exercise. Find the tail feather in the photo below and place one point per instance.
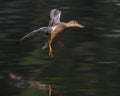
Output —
(45, 46)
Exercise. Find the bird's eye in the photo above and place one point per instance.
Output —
(74, 21)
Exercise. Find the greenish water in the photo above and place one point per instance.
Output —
(88, 65)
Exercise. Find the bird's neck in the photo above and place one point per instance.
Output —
(68, 25)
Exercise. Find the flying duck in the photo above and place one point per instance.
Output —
(54, 31)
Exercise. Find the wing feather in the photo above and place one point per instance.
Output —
(42, 30)
(54, 17)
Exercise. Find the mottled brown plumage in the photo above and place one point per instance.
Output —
(57, 33)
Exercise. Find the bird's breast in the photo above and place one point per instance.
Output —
(53, 28)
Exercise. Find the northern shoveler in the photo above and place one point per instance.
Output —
(54, 31)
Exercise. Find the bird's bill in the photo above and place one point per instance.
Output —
(81, 26)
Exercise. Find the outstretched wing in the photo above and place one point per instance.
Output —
(43, 30)
(54, 17)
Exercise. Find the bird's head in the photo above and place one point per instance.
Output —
(74, 23)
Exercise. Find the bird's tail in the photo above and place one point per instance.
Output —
(45, 46)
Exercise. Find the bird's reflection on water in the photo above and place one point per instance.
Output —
(20, 82)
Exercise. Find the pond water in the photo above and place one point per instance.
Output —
(88, 65)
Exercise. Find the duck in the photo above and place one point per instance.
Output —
(54, 31)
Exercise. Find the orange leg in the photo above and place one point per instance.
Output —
(60, 43)
(50, 90)
(50, 49)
